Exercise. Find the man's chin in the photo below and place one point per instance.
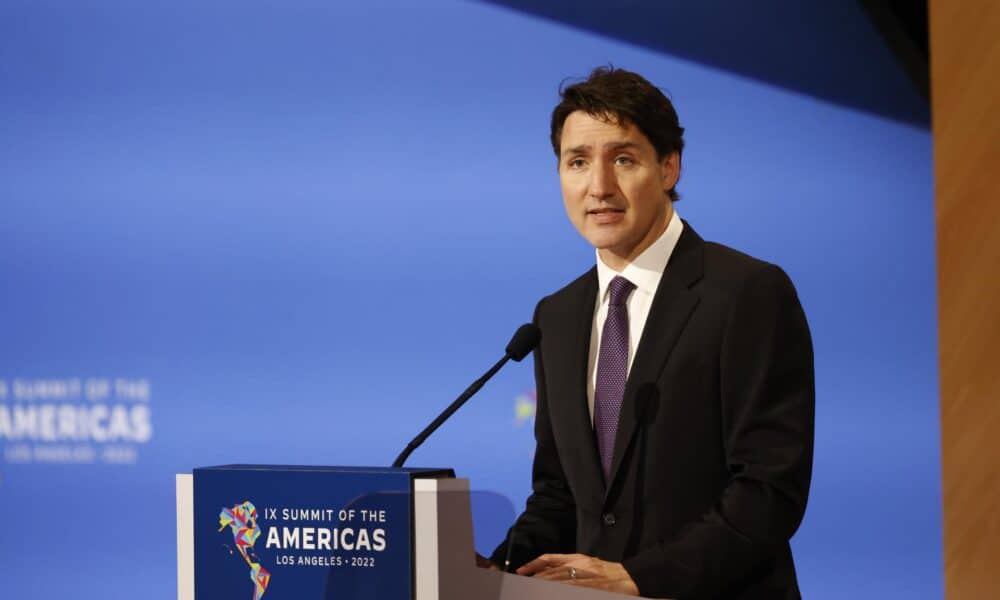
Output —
(604, 249)
(604, 240)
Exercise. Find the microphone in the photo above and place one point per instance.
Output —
(524, 341)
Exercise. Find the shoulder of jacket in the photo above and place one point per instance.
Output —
(570, 293)
(729, 264)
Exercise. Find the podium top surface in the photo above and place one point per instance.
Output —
(331, 469)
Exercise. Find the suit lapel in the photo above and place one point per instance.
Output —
(673, 304)
(574, 327)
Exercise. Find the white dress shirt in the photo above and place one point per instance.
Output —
(645, 273)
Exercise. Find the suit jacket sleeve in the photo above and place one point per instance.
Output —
(548, 523)
(767, 396)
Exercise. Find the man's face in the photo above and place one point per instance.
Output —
(613, 185)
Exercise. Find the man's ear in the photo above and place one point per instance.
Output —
(671, 165)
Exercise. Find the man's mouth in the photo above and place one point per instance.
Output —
(605, 215)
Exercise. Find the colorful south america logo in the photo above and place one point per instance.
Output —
(242, 522)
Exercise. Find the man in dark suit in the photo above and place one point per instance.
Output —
(675, 380)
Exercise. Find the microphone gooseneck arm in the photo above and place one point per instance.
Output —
(525, 340)
(472, 389)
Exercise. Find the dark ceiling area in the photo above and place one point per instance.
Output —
(903, 25)
(869, 55)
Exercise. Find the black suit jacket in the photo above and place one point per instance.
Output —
(713, 454)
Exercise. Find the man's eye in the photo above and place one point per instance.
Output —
(575, 163)
(624, 160)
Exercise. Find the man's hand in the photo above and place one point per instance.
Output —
(579, 569)
(484, 563)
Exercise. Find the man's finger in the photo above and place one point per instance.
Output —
(556, 573)
(541, 563)
(593, 582)
(565, 573)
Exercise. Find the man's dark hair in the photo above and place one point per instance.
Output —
(622, 97)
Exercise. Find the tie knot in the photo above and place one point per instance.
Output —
(620, 289)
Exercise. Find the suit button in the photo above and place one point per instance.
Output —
(609, 520)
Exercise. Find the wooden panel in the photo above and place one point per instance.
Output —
(965, 63)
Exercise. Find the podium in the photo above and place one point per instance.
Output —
(264, 532)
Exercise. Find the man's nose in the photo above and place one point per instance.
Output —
(603, 183)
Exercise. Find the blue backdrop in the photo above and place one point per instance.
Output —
(209, 213)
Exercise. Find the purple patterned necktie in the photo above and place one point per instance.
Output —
(612, 371)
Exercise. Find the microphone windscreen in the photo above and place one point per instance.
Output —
(524, 341)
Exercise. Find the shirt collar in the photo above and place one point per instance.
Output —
(647, 268)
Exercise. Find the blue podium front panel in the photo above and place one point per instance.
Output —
(303, 533)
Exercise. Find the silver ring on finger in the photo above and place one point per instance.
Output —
(572, 572)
